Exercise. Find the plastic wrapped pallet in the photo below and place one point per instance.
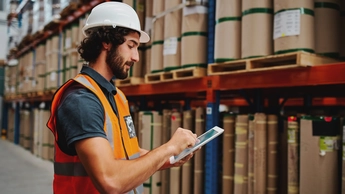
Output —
(199, 156)
(251, 126)
(319, 140)
(228, 154)
(194, 35)
(293, 26)
(257, 28)
(166, 134)
(327, 27)
(172, 36)
(150, 124)
(187, 168)
(157, 35)
(175, 172)
(241, 154)
(227, 42)
(292, 154)
(272, 150)
(260, 153)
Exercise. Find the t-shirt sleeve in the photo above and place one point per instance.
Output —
(79, 116)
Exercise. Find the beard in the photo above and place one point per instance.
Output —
(117, 64)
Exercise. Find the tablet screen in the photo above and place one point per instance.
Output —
(203, 139)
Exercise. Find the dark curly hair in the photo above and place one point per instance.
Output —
(90, 48)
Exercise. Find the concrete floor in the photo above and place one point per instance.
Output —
(22, 172)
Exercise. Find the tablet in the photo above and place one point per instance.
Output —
(203, 139)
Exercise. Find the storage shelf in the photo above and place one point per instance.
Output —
(325, 80)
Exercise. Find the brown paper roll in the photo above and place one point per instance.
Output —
(194, 35)
(260, 153)
(241, 154)
(326, 178)
(327, 28)
(228, 154)
(172, 30)
(157, 46)
(293, 156)
(227, 42)
(187, 168)
(257, 29)
(175, 172)
(166, 134)
(251, 126)
(342, 29)
(272, 159)
(199, 156)
(151, 136)
(306, 39)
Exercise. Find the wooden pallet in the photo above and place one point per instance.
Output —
(158, 77)
(184, 73)
(290, 60)
(188, 73)
(129, 81)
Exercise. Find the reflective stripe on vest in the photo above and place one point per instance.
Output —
(108, 125)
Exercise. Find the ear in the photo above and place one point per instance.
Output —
(106, 46)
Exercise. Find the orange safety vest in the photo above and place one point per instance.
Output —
(69, 174)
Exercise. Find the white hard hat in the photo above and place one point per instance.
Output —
(115, 14)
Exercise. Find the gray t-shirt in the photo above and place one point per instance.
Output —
(80, 113)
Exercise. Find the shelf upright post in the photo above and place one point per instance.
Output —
(4, 122)
(258, 101)
(212, 181)
(16, 122)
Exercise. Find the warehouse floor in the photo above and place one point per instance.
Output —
(22, 172)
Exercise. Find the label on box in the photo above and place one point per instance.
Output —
(287, 23)
(327, 144)
(292, 130)
(170, 46)
(195, 9)
(68, 43)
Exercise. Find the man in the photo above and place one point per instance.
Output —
(96, 149)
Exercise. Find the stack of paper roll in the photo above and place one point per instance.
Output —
(342, 29)
(187, 168)
(241, 154)
(327, 27)
(148, 30)
(166, 133)
(272, 150)
(194, 35)
(172, 36)
(199, 156)
(157, 35)
(150, 131)
(138, 6)
(175, 172)
(37, 136)
(260, 153)
(251, 129)
(293, 156)
(81, 37)
(228, 153)
(227, 42)
(257, 28)
(293, 26)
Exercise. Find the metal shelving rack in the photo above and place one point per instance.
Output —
(306, 83)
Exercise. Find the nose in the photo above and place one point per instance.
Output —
(135, 55)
